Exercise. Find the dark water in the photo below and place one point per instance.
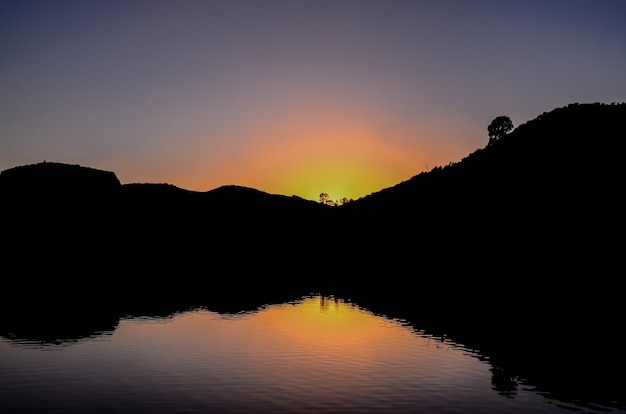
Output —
(316, 355)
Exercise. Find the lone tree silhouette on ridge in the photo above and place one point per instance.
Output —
(498, 128)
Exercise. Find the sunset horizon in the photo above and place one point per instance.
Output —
(291, 98)
(240, 300)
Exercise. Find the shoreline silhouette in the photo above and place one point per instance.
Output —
(515, 242)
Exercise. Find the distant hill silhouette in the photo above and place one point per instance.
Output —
(517, 242)
(51, 177)
(545, 196)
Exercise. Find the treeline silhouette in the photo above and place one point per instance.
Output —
(514, 249)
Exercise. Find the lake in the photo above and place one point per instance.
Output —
(314, 355)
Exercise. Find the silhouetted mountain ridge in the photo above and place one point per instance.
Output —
(59, 179)
(551, 182)
(514, 248)
(45, 174)
(567, 150)
(549, 188)
(571, 146)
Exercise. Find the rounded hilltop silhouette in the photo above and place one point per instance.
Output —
(50, 177)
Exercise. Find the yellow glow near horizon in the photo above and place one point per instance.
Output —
(341, 160)
(341, 156)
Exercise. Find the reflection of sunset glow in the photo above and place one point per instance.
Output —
(325, 325)
(311, 356)
(310, 337)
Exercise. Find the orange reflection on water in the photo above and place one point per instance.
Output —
(324, 325)
(303, 354)
(312, 335)
(313, 355)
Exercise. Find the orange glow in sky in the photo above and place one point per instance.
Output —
(316, 97)
(305, 156)
(341, 160)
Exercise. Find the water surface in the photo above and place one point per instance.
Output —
(317, 355)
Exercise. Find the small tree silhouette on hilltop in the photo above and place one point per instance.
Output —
(498, 128)
(325, 199)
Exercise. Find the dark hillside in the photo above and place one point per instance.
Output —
(543, 195)
(515, 249)
(57, 219)
(68, 220)
(569, 146)
(53, 177)
(518, 242)
(228, 237)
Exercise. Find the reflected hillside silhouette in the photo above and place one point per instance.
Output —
(71, 319)
(514, 249)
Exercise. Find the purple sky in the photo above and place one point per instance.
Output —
(291, 97)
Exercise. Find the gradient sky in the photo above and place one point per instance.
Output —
(291, 97)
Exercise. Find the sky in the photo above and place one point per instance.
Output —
(291, 97)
